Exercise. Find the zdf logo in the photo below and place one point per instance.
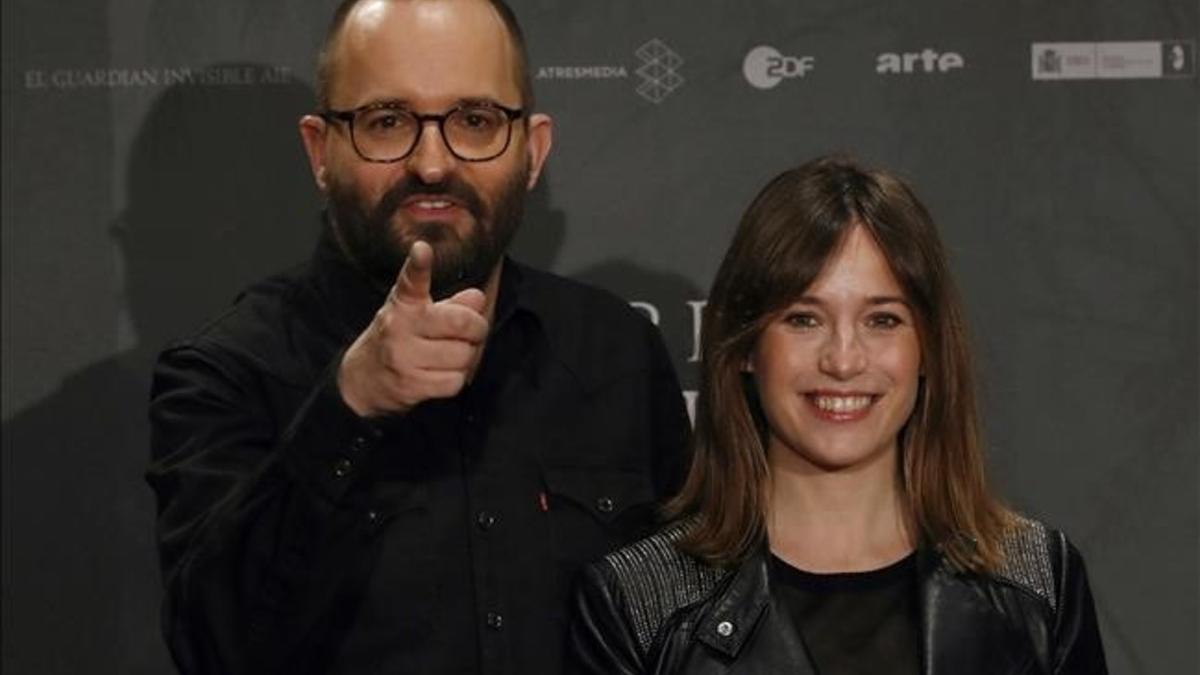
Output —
(765, 67)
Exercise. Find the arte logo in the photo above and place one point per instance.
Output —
(764, 67)
(659, 70)
(925, 61)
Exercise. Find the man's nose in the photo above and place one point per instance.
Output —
(431, 159)
(843, 355)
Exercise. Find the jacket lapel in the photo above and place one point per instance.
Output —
(751, 628)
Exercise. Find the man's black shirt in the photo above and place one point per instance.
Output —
(296, 537)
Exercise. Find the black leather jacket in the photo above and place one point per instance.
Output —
(648, 608)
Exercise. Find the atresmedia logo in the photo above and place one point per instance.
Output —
(765, 67)
(659, 70)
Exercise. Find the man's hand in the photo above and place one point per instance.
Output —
(415, 349)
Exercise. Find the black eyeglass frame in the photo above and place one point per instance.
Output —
(348, 116)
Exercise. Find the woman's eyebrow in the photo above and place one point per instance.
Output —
(872, 300)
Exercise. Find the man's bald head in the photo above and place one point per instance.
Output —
(327, 59)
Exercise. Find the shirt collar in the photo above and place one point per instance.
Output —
(349, 293)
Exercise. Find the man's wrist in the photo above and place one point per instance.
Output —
(349, 393)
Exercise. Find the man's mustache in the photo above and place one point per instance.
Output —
(409, 186)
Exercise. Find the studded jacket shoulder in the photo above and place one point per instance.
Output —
(655, 578)
(649, 608)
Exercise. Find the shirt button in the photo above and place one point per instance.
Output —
(725, 629)
(485, 520)
(604, 505)
(372, 517)
(495, 621)
(360, 444)
(342, 467)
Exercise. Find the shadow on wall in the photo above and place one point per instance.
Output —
(661, 296)
(219, 194)
(543, 230)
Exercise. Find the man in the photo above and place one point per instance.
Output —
(394, 458)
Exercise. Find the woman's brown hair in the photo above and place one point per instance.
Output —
(782, 244)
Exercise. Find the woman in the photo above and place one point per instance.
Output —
(836, 518)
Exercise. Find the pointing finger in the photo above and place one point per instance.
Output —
(412, 284)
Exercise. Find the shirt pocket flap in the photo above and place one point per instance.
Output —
(604, 493)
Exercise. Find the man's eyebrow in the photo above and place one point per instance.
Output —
(407, 105)
(384, 103)
(479, 100)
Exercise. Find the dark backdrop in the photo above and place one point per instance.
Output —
(151, 168)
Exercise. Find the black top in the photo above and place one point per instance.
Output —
(854, 623)
(296, 537)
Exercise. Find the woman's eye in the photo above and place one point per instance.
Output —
(884, 320)
(800, 320)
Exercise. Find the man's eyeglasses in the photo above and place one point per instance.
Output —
(386, 132)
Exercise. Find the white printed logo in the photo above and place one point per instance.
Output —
(659, 70)
(1179, 58)
(925, 61)
(764, 67)
(1112, 60)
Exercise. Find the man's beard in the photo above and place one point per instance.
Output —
(459, 262)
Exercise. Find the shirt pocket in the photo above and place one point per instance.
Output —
(594, 511)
